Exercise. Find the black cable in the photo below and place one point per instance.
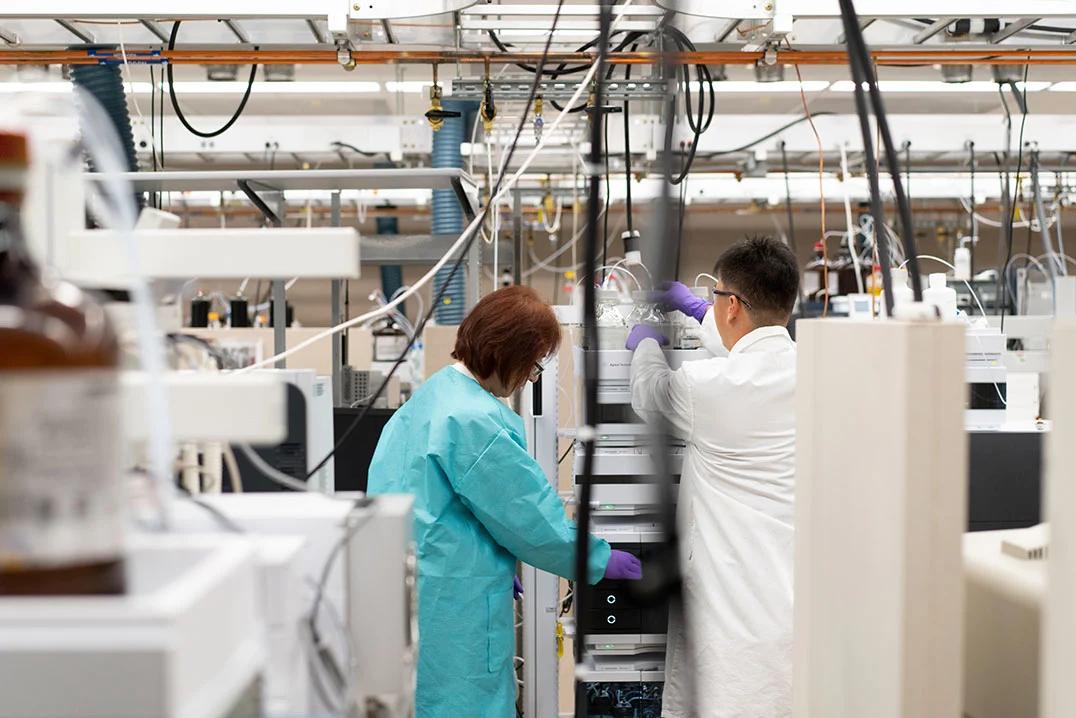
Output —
(769, 135)
(356, 150)
(175, 101)
(907, 147)
(566, 452)
(1006, 197)
(877, 211)
(1038, 28)
(858, 45)
(971, 211)
(608, 195)
(631, 37)
(681, 212)
(203, 344)
(152, 119)
(361, 416)
(627, 157)
(219, 516)
(1015, 188)
(590, 368)
(160, 137)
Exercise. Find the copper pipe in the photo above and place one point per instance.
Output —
(1063, 56)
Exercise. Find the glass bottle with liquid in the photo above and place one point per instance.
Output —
(61, 487)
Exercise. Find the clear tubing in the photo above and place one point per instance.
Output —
(117, 211)
(848, 220)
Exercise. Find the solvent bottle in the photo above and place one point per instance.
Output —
(61, 486)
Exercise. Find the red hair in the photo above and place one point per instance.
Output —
(506, 333)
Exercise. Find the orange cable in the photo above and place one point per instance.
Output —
(821, 191)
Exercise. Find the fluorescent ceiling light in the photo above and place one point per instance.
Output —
(278, 88)
(50, 88)
(62, 88)
(213, 88)
(417, 87)
(1063, 87)
(936, 86)
(737, 86)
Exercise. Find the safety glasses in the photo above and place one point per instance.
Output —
(723, 293)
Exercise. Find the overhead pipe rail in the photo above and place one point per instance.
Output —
(241, 56)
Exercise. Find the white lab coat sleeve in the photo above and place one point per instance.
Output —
(657, 390)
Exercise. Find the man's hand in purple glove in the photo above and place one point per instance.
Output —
(642, 331)
(623, 566)
(677, 296)
(517, 588)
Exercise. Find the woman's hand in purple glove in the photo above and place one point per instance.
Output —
(623, 566)
(677, 296)
(642, 331)
(517, 587)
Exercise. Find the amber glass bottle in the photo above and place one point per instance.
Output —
(61, 489)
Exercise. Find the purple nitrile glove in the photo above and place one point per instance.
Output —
(517, 587)
(642, 331)
(679, 297)
(623, 566)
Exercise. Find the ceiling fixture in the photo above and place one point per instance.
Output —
(279, 73)
(222, 73)
(954, 74)
(769, 73)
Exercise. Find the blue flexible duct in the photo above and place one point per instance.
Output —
(105, 83)
(447, 214)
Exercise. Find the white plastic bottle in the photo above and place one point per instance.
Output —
(962, 263)
(941, 296)
(902, 293)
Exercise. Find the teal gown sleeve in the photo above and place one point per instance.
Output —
(508, 493)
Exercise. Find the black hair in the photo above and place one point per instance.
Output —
(765, 273)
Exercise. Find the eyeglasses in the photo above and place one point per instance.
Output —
(536, 372)
(723, 293)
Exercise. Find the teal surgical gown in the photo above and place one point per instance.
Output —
(481, 503)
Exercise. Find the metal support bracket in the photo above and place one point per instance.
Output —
(155, 29)
(1012, 28)
(83, 35)
(257, 201)
(932, 30)
(519, 89)
(769, 34)
(464, 199)
(238, 31)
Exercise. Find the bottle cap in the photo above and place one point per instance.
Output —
(14, 150)
(937, 280)
(14, 161)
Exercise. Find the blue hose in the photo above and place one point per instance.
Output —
(447, 214)
(105, 83)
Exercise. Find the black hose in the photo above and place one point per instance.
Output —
(877, 211)
(627, 160)
(1015, 188)
(971, 211)
(175, 100)
(590, 366)
(858, 46)
(769, 135)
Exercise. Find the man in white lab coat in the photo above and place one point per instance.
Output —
(737, 416)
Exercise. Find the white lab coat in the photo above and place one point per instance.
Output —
(735, 518)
